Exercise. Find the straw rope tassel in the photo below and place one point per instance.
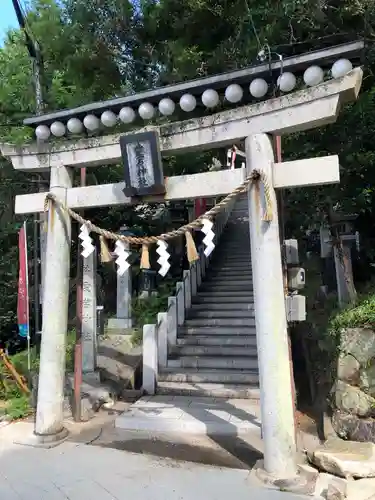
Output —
(145, 257)
(49, 213)
(105, 254)
(45, 222)
(268, 213)
(191, 249)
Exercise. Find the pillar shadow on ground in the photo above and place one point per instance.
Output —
(230, 449)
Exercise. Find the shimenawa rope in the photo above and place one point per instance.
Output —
(255, 177)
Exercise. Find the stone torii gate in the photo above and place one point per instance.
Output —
(302, 110)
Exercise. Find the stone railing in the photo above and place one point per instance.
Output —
(161, 338)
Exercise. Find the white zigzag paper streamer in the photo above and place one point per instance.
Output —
(162, 251)
(122, 256)
(86, 241)
(208, 239)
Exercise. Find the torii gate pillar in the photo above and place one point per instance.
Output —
(271, 326)
(49, 416)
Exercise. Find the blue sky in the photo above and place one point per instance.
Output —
(7, 18)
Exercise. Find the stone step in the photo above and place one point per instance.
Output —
(227, 391)
(225, 287)
(235, 250)
(243, 204)
(226, 255)
(247, 306)
(238, 224)
(239, 221)
(216, 314)
(202, 322)
(218, 340)
(220, 296)
(228, 281)
(230, 278)
(240, 246)
(229, 268)
(238, 243)
(234, 263)
(219, 281)
(237, 227)
(239, 214)
(217, 330)
(215, 351)
(187, 416)
(229, 275)
(237, 239)
(231, 271)
(248, 377)
(217, 362)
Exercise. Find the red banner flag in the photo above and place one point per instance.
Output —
(23, 286)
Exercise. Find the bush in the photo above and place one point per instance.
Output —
(18, 407)
(360, 315)
(17, 403)
(145, 311)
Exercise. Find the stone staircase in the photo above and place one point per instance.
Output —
(214, 353)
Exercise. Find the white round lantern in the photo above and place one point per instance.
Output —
(74, 126)
(108, 118)
(286, 82)
(42, 132)
(91, 122)
(258, 88)
(233, 93)
(341, 68)
(188, 103)
(313, 76)
(58, 129)
(127, 115)
(210, 98)
(166, 106)
(146, 110)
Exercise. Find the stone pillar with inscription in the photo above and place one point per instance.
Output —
(123, 320)
(89, 321)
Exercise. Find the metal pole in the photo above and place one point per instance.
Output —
(270, 318)
(28, 302)
(36, 279)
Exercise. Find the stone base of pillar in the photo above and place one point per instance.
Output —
(120, 324)
(302, 483)
(44, 441)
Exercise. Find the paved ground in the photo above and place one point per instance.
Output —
(106, 463)
(198, 415)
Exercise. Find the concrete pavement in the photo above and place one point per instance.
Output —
(193, 415)
(77, 471)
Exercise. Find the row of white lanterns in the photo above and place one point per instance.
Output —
(210, 98)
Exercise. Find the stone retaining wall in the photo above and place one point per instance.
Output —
(354, 390)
